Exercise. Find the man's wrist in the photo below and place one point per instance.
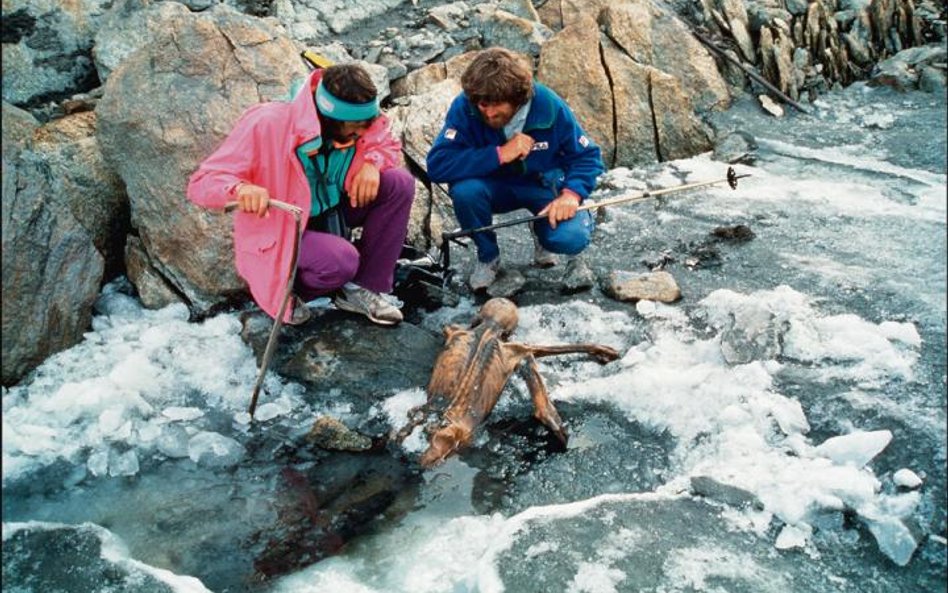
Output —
(568, 193)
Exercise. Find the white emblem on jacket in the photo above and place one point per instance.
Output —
(450, 133)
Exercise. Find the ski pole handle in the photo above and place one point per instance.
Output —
(296, 211)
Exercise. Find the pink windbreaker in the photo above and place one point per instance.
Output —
(261, 150)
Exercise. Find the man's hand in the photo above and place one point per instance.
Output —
(253, 198)
(562, 208)
(365, 186)
(516, 148)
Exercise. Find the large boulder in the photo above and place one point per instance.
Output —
(169, 105)
(93, 191)
(570, 64)
(635, 112)
(346, 355)
(51, 267)
(653, 37)
(127, 26)
(46, 49)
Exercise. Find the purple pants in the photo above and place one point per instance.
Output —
(326, 261)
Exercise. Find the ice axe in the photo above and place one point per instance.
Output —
(297, 214)
(731, 179)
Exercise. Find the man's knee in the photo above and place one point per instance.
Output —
(398, 183)
(330, 263)
(570, 238)
(468, 192)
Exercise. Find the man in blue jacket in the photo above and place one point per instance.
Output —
(510, 143)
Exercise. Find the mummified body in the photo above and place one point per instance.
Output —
(471, 371)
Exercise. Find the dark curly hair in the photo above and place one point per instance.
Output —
(498, 75)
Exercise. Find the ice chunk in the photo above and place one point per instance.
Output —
(123, 464)
(98, 463)
(857, 448)
(214, 450)
(906, 478)
(173, 441)
(271, 410)
(116, 304)
(793, 536)
(180, 413)
(895, 538)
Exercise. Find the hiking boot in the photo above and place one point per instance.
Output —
(541, 257)
(363, 301)
(577, 276)
(301, 313)
(484, 274)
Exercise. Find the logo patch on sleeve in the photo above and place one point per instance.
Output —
(450, 133)
(584, 141)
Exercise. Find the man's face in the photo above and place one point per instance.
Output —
(496, 114)
(350, 131)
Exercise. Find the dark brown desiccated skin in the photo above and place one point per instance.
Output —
(472, 369)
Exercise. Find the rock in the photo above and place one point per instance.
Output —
(198, 74)
(738, 233)
(857, 448)
(735, 147)
(654, 38)
(342, 351)
(51, 267)
(635, 130)
(40, 556)
(47, 49)
(570, 64)
(93, 191)
(127, 26)
(653, 286)
(522, 8)
(508, 283)
(153, 290)
(770, 106)
(679, 132)
(513, 32)
(330, 433)
(902, 71)
(906, 478)
(932, 80)
(711, 488)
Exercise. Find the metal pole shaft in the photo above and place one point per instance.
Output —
(620, 200)
(296, 212)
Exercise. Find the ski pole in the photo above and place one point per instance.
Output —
(731, 180)
(297, 214)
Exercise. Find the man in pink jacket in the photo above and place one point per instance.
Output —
(330, 152)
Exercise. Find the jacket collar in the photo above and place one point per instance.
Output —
(304, 121)
(542, 109)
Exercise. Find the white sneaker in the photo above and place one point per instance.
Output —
(360, 300)
(484, 274)
(541, 257)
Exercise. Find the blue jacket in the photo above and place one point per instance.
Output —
(562, 154)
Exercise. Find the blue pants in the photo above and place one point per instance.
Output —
(477, 200)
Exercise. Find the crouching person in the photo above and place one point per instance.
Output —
(330, 152)
(509, 143)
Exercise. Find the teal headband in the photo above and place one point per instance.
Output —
(334, 107)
